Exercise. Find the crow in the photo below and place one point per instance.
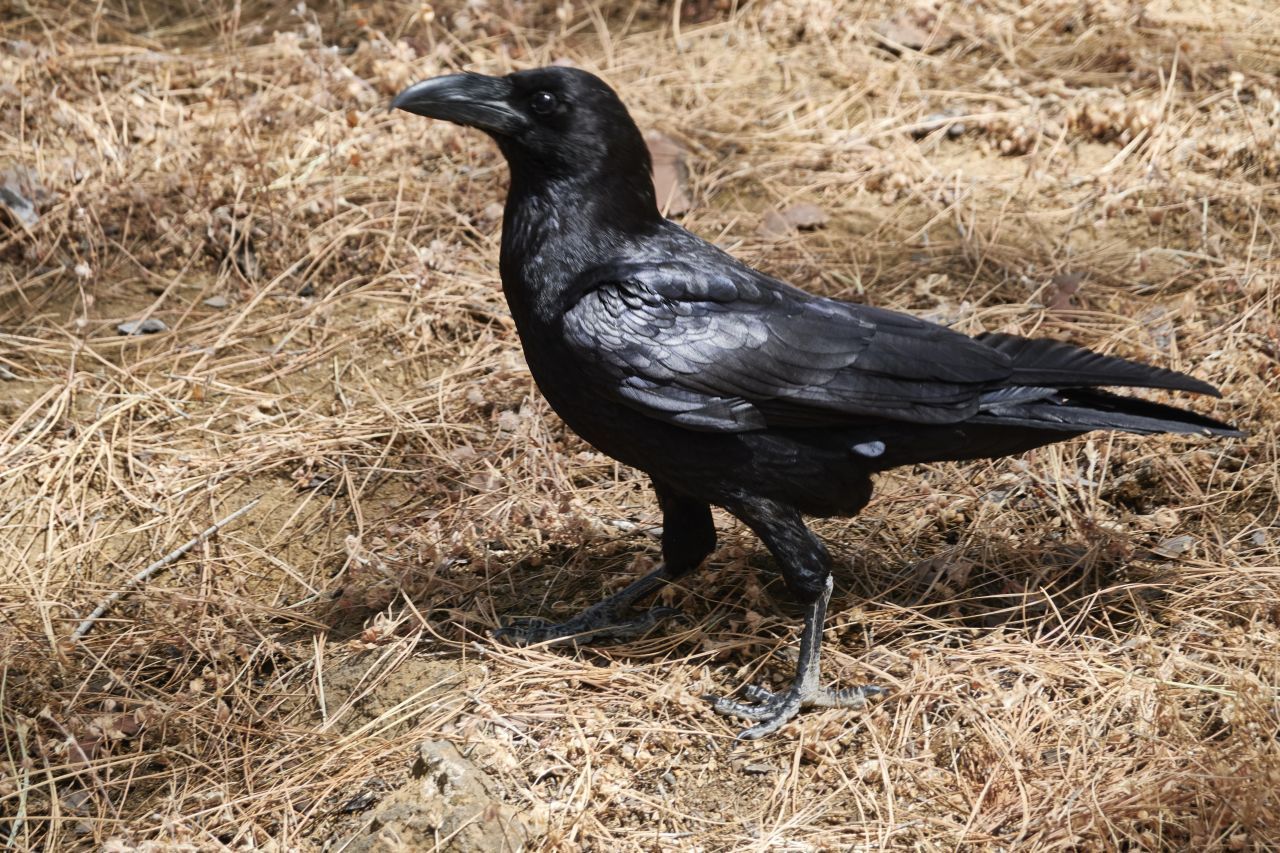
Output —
(730, 388)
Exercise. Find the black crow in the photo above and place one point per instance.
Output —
(731, 388)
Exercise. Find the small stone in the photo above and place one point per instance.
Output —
(359, 802)
(1174, 546)
(933, 121)
(1054, 755)
(21, 48)
(774, 226)
(1158, 322)
(448, 804)
(805, 215)
(217, 302)
(898, 33)
(148, 326)
(18, 192)
(1063, 288)
(78, 801)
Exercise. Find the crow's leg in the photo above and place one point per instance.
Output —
(806, 567)
(771, 710)
(688, 536)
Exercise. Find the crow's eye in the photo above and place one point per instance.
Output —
(543, 103)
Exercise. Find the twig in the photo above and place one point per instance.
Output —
(143, 576)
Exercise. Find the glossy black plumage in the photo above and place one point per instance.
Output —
(729, 387)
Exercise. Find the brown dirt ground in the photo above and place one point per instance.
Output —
(1083, 646)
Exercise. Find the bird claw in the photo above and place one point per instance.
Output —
(589, 626)
(771, 710)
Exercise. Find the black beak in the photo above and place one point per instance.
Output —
(473, 100)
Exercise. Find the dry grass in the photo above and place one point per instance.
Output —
(1083, 646)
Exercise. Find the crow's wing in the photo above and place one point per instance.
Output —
(727, 349)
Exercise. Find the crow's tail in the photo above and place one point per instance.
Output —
(1038, 361)
(1054, 386)
(1086, 409)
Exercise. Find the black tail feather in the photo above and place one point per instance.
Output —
(1056, 364)
(1084, 409)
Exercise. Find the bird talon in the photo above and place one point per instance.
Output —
(526, 632)
(853, 697)
(732, 708)
(771, 710)
(657, 614)
(589, 626)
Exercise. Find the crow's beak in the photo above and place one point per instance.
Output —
(473, 100)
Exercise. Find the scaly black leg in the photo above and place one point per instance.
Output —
(771, 709)
(688, 536)
(806, 567)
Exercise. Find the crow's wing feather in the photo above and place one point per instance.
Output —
(728, 350)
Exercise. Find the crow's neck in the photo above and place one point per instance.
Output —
(557, 227)
(604, 196)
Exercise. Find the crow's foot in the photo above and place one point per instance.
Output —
(611, 619)
(771, 710)
(591, 625)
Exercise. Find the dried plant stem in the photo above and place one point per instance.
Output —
(145, 575)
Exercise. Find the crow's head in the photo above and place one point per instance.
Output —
(550, 122)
